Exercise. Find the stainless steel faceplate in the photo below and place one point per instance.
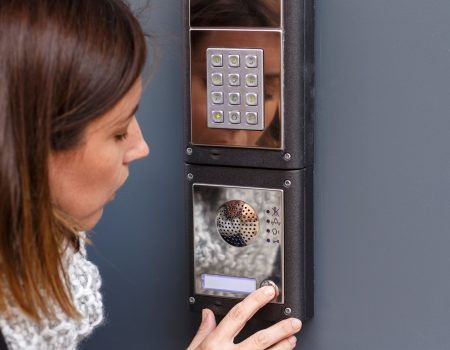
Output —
(259, 257)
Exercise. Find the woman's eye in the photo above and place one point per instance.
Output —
(121, 137)
(268, 96)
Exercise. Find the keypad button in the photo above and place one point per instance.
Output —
(217, 116)
(251, 80)
(217, 79)
(251, 61)
(251, 99)
(217, 98)
(234, 117)
(234, 98)
(233, 60)
(234, 79)
(252, 118)
(216, 60)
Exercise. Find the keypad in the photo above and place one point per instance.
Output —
(235, 88)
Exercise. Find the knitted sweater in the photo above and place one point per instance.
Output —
(64, 333)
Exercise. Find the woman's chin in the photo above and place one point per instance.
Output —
(90, 222)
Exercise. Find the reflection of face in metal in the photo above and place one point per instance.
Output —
(270, 43)
(237, 223)
(235, 13)
(254, 120)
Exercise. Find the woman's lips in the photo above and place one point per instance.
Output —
(113, 196)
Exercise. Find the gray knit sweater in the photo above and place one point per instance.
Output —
(64, 333)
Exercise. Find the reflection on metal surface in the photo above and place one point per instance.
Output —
(259, 258)
(235, 13)
(271, 44)
(237, 223)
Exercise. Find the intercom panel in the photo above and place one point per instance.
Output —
(246, 231)
(250, 226)
(249, 83)
(249, 153)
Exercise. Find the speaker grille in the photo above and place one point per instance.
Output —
(237, 223)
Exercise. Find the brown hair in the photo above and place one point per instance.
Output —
(62, 64)
(237, 13)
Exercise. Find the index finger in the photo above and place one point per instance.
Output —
(238, 316)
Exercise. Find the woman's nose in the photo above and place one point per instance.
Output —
(142, 149)
(139, 148)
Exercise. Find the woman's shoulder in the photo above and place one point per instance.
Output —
(84, 283)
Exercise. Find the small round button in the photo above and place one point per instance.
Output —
(271, 283)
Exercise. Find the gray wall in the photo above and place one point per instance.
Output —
(382, 189)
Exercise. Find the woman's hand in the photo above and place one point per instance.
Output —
(220, 337)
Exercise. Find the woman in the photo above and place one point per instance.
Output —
(70, 75)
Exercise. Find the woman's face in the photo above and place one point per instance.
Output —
(85, 179)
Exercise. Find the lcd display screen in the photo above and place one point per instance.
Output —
(228, 283)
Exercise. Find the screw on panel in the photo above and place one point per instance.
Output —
(287, 183)
(287, 157)
(189, 151)
(287, 311)
(191, 300)
(190, 177)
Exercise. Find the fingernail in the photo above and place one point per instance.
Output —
(292, 340)
(296, 323)
(269, 291)
(204, 314)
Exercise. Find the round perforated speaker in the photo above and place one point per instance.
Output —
(237, 223)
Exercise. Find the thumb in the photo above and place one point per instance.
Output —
(207, 326)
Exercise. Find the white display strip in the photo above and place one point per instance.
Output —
(228, 283)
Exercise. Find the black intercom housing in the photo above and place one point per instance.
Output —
(286, 167)
(298, 249)
(298, 105)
